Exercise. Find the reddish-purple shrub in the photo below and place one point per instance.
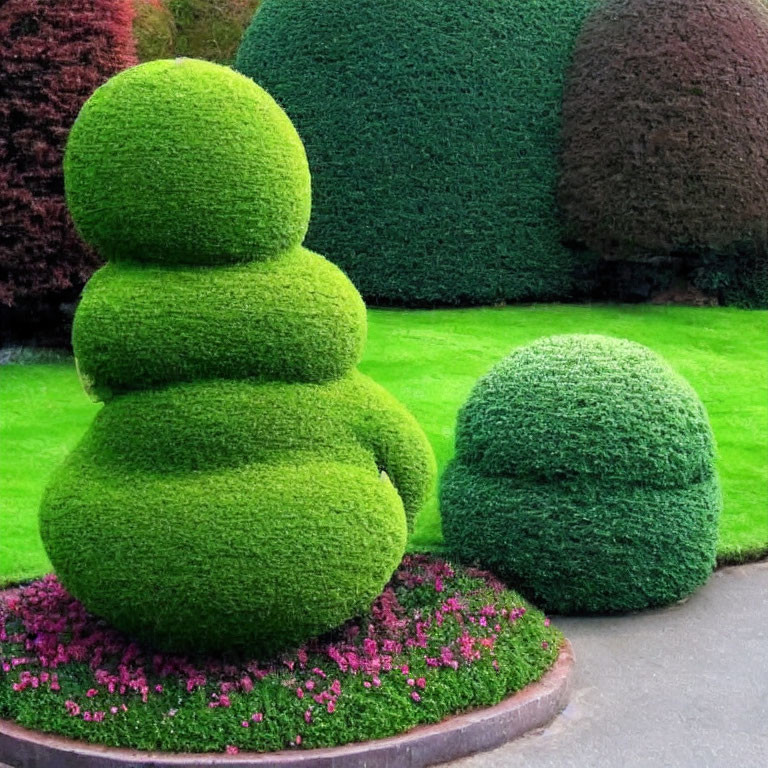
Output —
(54, 55)
(665, 135)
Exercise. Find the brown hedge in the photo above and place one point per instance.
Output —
(665, 135)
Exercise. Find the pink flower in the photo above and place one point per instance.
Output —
(158, 689)
(245, 724)
(310, 685)
(411, 681)
(246, 684)
(547, 622)
(298, 739)
(98, 716)
(232, 750)
(545, 645)
(438, 584)
(336, 687)
(415, 696)
(224, 701)
(299, 693)
(91, 692)
(331, 707)
(257, 717)
(308, 716)
(73, 709)
(366, 684)
(421, 683)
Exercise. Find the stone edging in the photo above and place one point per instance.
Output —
(533, 707)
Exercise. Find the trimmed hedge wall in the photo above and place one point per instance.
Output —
(54, 54)
(432, 129)
(665, 149)
(584, 474)
(244, 487)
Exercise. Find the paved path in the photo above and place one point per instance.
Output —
(682, 687)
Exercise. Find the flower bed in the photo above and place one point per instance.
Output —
(438, 640)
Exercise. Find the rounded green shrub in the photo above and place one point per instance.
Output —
(243, 487)
(584, 474)
(432, 129)
(183, 162)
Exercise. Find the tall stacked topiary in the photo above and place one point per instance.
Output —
(54, 55)
(432, 129)
(584, 474)
(243, 486)
(665, 148)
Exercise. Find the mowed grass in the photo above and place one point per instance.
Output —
(430, 360)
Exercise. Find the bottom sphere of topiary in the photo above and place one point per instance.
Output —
(437, 641)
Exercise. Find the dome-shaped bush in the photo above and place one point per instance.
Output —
(665, 147)
(432, 129)
(210, 169)
(53, 55)
(244, 487)
(584, 474)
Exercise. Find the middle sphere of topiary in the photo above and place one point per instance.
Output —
(584, 474)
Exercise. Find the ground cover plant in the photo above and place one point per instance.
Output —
(432, 129)
(430, 361)
(437, 641)
(665, 155)
(54, 55)
(584, 474)
(271, 484)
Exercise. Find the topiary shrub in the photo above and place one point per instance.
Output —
(584, 474)
(665, 154)
(211, 29)
(53, 56)
(244, 487)
(432, 130)
(154, 30)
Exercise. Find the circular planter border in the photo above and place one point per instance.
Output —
(476, 731)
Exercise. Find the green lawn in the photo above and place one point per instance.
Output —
(430, 360)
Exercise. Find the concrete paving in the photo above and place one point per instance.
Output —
(682, 687)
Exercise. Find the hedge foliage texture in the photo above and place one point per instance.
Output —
(432, 129)
(665, 148)
(584, 474)
(244, 487)
(54, 54)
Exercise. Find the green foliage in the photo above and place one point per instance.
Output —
(210, 169)
(296, 318)
(154, 30)
(584, 474)
(211, 29)
(243, 487)
(432, 130)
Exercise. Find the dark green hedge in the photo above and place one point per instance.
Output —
(432, 129)
(584, 474)
(243, 486)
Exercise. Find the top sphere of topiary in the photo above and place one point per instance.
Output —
(185, 161)
(580, 407)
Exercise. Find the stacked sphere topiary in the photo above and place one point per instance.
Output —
(243, 486)
(584, 474)
(665, 149)
(432, 129)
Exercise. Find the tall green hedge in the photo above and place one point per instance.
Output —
(432, 129)
(244, 487)
(584, 474)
